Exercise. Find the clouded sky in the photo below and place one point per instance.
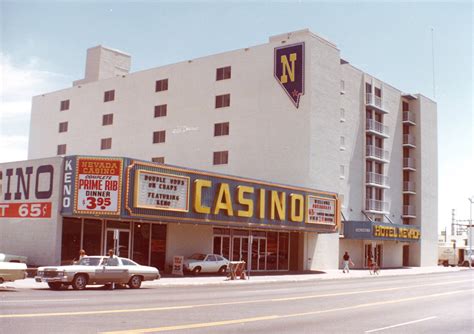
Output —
(43, 48)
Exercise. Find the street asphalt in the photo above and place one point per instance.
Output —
(438, 300)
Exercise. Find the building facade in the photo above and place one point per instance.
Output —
(290, 111)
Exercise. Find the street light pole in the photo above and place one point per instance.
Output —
(470, 232)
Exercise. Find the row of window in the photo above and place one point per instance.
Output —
(222, 73)
(219, 157)
(220, 129)
(160, 110)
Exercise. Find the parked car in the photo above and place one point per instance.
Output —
(202, 263)
(12, 258)
(10, 271)
(97, 270)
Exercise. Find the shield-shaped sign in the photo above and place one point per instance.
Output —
(289, 70)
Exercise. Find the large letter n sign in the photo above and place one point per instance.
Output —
(289, 70)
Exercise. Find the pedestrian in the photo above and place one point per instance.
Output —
(346, 260)
(82, 253)
(112, 260)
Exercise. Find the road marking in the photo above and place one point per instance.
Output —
(275, 317)
(166, 308)
(398, 325)
(40, 300)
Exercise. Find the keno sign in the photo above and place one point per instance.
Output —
(98, 185)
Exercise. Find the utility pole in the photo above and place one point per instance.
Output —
(470, 231)
(453, 221)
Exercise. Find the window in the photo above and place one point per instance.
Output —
(221, 129)
(342, 171)
(108, 119)
(106, 143)
(223, 73)
(160, 160)
(64, 105)
(406, 106)
(343, 142)
(161, 85)
(222, 101)
(63, 127)
(343, 115)
(378, 92)
(159, 137)
(221, 158)
(160, 110)
(109, 95)
(343, 86)
(61, 149)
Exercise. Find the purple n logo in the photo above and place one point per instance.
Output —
(289, 70)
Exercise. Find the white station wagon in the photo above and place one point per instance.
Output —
(97, 270)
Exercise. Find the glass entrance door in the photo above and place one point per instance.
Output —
(118, 240)
(240, 249)
(259, 250)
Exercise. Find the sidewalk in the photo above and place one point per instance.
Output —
(29, 283)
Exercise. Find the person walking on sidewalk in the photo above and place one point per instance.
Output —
(112, 260)
(346, 259)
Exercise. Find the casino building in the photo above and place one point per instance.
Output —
(287, 112)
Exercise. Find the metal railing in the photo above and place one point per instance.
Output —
(409, 140)
(376, 205)
(375, 126)
(376, 152)
(373, 100)
(409, 210)
(409, 186)
(409, 116)
(376, 178)
(409, 163)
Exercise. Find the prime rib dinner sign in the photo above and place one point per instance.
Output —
(98, 186)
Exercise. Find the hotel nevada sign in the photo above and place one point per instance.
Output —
(289, 70)
(174, 194)
(367, 230)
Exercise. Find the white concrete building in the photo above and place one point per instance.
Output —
(290, 111)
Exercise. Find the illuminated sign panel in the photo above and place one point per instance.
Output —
(161, 191)
(167, 193)
(289, 70)
(367, 230)
(321, 210)
(27, 188)
(98, 185)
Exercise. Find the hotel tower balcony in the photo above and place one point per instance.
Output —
(376, 153)
(376, 128)
(376, 180)
(375, 102)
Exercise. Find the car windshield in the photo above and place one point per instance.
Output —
(197, 256)
(89, 261)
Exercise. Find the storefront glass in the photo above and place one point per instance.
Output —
(283, 246)
(141, 243)
(92, 237)
(269, 250)
(71, 239)
(158, 246)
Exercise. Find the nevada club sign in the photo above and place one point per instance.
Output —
(289, 70)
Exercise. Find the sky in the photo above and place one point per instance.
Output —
(43, 48)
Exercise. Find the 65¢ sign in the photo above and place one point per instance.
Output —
(98, 186)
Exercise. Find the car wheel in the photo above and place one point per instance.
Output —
(197, 270)
(79, 282)
(135, 282)
(222, 270)
(55, 285)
